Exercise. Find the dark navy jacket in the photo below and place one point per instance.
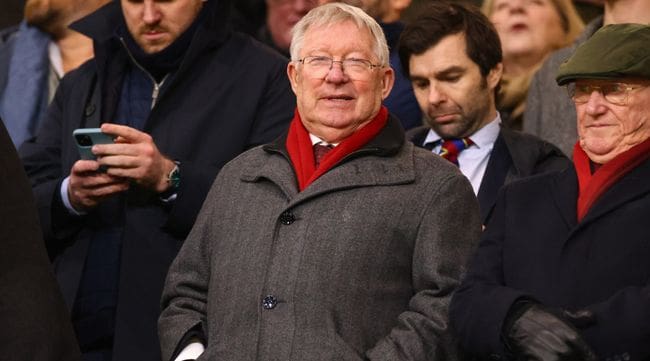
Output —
(229, 94)
(534, 247)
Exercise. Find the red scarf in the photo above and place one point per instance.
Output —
(302, 155)
(592, 186)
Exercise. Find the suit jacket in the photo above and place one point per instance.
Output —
(534, 247)
(360, 265)
(229, 94)
(550, 114)
(24, 80)
(35, 323)
(515, 155)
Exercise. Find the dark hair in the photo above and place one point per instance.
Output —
(442, 18)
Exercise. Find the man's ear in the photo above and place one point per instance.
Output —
(387, 81)
(293, 75)
(494, 76)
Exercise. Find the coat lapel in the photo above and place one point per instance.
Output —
(633, 185)
(498, 167)
(564, 191)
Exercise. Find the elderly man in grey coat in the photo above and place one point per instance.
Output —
(338, 241)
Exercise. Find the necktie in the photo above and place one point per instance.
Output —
(319, 152)
(451, 148)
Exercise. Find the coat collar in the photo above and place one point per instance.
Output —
(631, 186)
(384, 160)
(564, 190)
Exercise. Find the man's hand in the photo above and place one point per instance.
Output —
(539, 335)
(88, 185)
(134, 156)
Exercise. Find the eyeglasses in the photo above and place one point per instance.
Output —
(319, 66)
(615, 93)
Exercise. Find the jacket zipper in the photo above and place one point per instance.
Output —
(156, 85)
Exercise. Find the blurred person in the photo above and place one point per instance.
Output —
(529, 30)
(281, 17)
(453, 58)
(401, 100)
(35, 56)
(35, 322)
(181, 95)
(298, 253)
(549, 114)
(561, 272)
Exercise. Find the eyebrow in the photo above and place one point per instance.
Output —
(454, 69)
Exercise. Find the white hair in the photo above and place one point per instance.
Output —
(336, 13)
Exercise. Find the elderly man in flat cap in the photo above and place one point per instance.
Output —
(563, 269)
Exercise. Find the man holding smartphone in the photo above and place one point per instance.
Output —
(181, 95)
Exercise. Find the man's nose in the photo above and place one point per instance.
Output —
(436, 96)
(150, 12)
(337, 74)
(597, 104)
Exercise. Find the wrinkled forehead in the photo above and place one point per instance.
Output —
(322, 36)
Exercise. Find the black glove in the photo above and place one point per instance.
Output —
(533, 333)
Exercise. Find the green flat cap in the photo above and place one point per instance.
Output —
(613, 52)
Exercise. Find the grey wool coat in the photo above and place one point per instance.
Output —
(362, 263)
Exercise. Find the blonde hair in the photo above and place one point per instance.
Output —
(571, 22)
(337, 13)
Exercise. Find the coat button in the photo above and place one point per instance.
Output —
(287, 218)
(269, 302)
(90, 109)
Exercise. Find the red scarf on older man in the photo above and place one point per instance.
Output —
(593, 185)
(302, 155)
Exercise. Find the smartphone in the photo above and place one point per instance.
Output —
(85, 138)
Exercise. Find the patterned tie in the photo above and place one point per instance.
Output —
(319, 152)
(451, 148)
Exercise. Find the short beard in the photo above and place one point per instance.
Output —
(469, 123)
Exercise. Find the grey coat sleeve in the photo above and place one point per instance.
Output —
(448, 233)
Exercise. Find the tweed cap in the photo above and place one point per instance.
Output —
(613, 52)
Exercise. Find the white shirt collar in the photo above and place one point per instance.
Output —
(56, 61)
(483, 137)
(316, 140)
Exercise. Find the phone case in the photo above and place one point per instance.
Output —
(85, 138)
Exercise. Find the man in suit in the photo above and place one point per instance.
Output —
(181, 95)
(452, 55)
(350, 255)
(35, 323)
(34, 56)
(562, 271)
